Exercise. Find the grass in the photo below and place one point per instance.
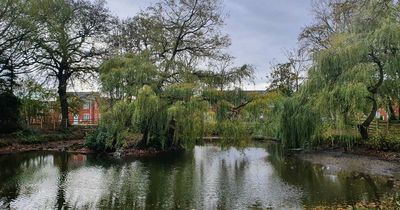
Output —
(35, 136)
(350, 138)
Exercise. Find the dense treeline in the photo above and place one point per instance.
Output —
(167, 80)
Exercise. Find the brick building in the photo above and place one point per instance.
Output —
(89, 112)
(383, 115)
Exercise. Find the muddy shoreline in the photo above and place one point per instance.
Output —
(320, 156)
(78, 146)
(73, 146)
(335, 161)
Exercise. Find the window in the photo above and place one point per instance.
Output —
(86, 117)
(86, 105)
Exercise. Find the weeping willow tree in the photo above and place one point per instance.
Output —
(122, 76)
(354, 71)
(298, 124)
(348, 77)
(143, 115)
(175, 118)
(159, 76)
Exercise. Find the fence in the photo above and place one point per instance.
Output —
(392, 127)
(53, 122)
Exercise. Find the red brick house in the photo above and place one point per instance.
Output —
(383, 115)
(89, 112)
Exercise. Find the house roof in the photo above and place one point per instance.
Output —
(84, 95)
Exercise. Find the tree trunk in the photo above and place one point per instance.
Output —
(392, 115)
(363, 128)
(143, 142)
(398, 110)
(170, 135)
(62, 93)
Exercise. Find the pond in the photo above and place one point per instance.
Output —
(207, 177)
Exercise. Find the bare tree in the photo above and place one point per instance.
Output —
(179, 35)
(330, 17)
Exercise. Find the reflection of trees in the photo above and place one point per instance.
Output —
(125, 186)
(321, 187)
(61, 162)
(206, 178)
(169, 178)
(16, 167)
(231, 179)
(149, 183)
(176, 181)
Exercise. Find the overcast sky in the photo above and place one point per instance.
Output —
(261, 30)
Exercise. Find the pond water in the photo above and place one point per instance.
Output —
(206, 178)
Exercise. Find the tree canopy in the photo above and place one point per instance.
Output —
(159, 80)
(354, 70)
(68, 37)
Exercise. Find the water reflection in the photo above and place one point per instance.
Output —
(206, 178)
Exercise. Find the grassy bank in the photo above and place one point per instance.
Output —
(35, 136)
(351, 140)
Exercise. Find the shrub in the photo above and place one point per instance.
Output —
(9, 113)
(115, 125)
(384, 141)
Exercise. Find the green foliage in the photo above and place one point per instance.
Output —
(163, 124)
(384, 141)
(35, 100)
(68, 41)
(210, 124)
(114, 128)
(354, 71)
(188, 119)
(13, 49)
(161, 76)
(298, 127)
(99, 139)
(123, 76)
(223, 110)
(234, 133)
(284, 79)
(29, 135)
(262, 115)
(150, 117)
(222, 76)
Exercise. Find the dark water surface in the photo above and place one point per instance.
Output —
(206, 178)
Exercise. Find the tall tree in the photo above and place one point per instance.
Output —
(288, 76)
(349, 76)
(13, 57)
(222, 74)
(178, 34)
(13, 48)
(161, 58)
(68, 37)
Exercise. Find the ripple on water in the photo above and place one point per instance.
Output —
(208, 177)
